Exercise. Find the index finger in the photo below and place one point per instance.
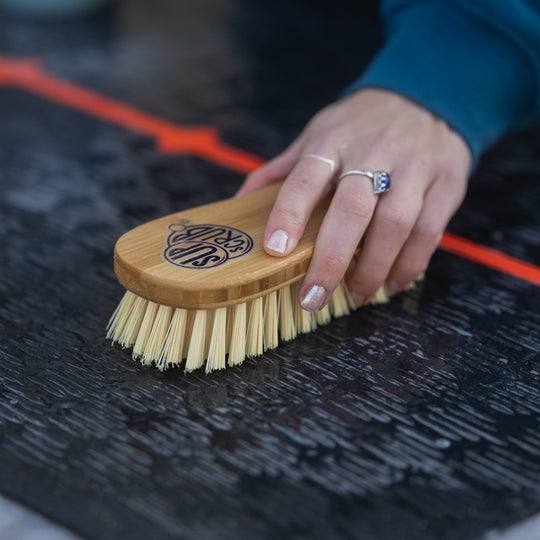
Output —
(302, 190)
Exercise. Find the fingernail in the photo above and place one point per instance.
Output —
(277, 241)
(313, 300)
(357, 299)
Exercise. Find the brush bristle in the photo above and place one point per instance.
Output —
(214, 338)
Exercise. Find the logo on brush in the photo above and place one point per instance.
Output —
(204, 246)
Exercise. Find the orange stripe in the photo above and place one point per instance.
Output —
(27, 74)
(202, 141)
(490, 258)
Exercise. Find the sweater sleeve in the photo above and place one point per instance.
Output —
(474, 63)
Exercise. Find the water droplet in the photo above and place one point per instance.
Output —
(442, 443)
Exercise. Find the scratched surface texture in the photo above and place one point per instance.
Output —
(416, 419)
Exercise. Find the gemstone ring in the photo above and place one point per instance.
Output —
(381, 179)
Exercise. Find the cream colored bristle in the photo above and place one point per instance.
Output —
(173, 348)
(255, 328)
(120, 316)
(154, 346)
(287, 326)
(217, 347)
(271, 320)
(305, 320)
(197, 342)
(338, 303)
(237, 333)
(145, 330)
(323, 316)
(381, 296)
(165, 335)
(209, 330)
(230, 317)
(131, 329)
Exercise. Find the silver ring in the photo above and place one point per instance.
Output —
(381, 179)
(326, 160)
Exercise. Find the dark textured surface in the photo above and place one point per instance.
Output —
(417, 419)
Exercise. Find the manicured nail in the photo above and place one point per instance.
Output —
(277, 241)
(314, 299)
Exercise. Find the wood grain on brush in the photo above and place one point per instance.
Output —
(142, 269)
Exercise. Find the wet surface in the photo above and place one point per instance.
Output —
(416, 419)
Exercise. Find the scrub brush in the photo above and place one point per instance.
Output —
(201, 290)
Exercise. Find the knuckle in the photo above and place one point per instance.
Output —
(380, 144)
(357, 208)
(427, 163)
(398, 219)
(290, 218)
(301, 181)
(334, 264)
(429, 232)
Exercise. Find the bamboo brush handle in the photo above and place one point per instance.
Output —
(216, 272)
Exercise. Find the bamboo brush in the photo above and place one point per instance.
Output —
(201, 288)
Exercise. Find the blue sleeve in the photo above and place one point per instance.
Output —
(474, 63)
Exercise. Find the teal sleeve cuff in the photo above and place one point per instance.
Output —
(457, 66)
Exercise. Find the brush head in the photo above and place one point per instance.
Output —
(202, 289)
(211, 256)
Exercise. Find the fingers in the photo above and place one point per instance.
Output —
(394, 218)
(306, 184)
(404, 233)
(340, 232)
(399, 229)
(440, 203)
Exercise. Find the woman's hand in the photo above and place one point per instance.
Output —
(371, 130)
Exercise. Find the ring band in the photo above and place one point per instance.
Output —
(326, 160)
(381, 179)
